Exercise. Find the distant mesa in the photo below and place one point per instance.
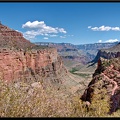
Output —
(109, 53)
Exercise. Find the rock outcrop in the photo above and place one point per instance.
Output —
(106, 76)
(109, 53)
(20, 59)
(112, 52)
(10, 38)
(14, 64)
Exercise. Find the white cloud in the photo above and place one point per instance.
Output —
(45, 38)
(61, 30)
(30, 34)
(94, 29)
(108, 41)
(89, 26)
(100, 41)
(46, 34)
(40, 28)
(53, 35)
(115, 28)
(70, 35)
(35, 24)
(112, 40)
(104, 28)
(62, 37)
(29, 37)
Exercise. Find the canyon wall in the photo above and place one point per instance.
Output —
(14, 65)
(20, 59)
(113, 52)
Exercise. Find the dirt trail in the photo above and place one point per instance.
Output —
(112, 81)
(115, 86)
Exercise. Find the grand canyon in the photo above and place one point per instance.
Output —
(57, 79)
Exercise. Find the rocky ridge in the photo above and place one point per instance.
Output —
(106, 76)
(109, 53)
(10, 38)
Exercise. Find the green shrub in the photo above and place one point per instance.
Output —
(26, 101)
(73, 70)
(100, 103)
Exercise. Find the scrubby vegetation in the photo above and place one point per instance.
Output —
(73, 70)
(116, 63)
(31, 100)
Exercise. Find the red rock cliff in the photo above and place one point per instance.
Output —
(12, 39)
(16, 64)
(20, 59)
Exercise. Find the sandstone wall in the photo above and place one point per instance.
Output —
(16, 64)
(109, 55)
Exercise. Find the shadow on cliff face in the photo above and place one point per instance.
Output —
(109, 53)
(95, 60)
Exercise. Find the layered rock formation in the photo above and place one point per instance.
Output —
(78, 54)
(14, 64)
(106, 76)
(96, 46)
(20, 59)
(109, 53)
(64, 46)
(112, 52)
(12, 39)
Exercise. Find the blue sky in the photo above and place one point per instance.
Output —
(68, 22)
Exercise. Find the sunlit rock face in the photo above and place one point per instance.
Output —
(113, 52)
(22, 60)
(10, 38)
(15, 64)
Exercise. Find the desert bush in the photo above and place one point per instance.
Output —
(100, 104)
(24, 100)
(79, 108)
(115, 114)
(73, 70)
(34, 102)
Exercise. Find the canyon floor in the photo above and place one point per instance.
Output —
(79, 77)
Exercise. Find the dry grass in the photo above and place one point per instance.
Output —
(31, 100)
